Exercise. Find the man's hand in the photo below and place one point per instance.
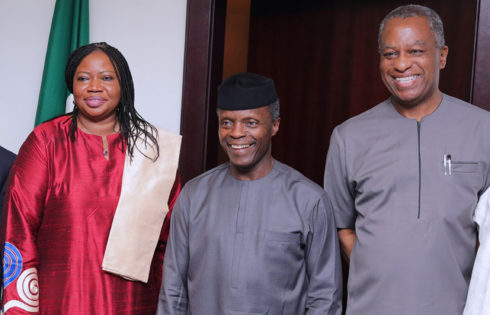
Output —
(347, 238)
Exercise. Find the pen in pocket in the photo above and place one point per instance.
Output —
(447, 164)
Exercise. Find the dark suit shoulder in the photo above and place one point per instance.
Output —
(7, 158)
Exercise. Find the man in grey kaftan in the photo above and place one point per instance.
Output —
(405, 177)
(242, 244)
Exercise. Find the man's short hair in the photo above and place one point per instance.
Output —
(411, 10)
(274, 110)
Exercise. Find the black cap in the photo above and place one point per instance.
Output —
(246, 91)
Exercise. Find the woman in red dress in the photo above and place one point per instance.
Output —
(64, 189)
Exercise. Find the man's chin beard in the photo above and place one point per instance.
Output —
(244, 169)
(247, 169)
(406, 104)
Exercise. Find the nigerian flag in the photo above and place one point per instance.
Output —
(69, 30)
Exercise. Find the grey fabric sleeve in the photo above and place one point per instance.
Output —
(486, 170)
(323, 264)
(173, 292)
(337, 185)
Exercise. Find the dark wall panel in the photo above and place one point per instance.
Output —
(481, 90)
(203, 67)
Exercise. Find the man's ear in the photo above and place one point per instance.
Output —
(443, 57)
(275, 126)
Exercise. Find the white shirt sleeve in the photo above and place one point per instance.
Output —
(478, 300)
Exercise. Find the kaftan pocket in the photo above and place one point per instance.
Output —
(283, 259)
(465, 167)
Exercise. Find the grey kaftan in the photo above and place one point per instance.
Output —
(267, 246)
(410, 189)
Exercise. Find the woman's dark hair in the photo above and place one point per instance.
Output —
(132, 125)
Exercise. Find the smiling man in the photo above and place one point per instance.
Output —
(252, 236)
(404, 178)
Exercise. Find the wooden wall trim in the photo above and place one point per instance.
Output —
(203, 64)
(481, 69)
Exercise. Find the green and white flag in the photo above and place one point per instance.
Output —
(69, 30)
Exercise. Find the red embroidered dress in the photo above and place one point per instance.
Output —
(57, 216)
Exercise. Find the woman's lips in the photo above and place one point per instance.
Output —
(94, 101)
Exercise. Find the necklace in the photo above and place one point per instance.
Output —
(85, 129)
(105, 143)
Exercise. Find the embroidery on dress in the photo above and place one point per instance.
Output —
(28, 291)
(27, 283)
(12, 264)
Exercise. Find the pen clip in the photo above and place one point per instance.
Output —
(447, 164)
